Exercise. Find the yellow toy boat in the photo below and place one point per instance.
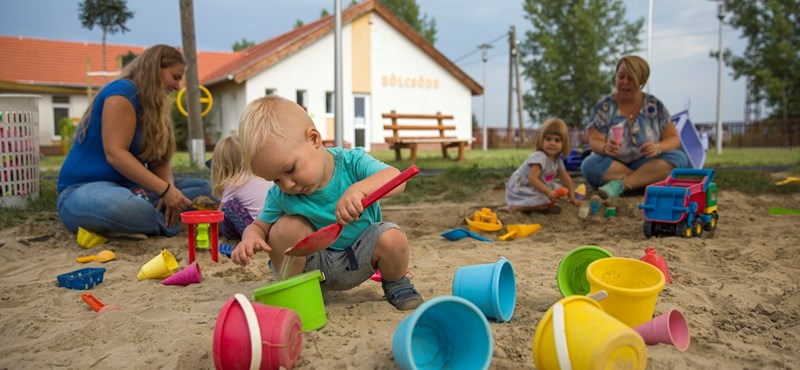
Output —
(484, 220)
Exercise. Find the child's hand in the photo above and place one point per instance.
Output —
(552, 195)
(574, 200)
(246, 250)
(349, 207)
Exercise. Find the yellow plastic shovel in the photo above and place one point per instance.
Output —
(516, 231)
(103, 256)
(788, 180)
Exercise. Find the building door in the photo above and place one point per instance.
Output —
(360, 120)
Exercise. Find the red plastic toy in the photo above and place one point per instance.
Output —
(656, 260)
(192, 218)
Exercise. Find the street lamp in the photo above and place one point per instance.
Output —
(485, 57)
(721, 16)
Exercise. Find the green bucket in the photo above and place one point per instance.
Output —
(301, 293)
(571, 273)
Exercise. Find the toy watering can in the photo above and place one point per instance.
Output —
(519, 231)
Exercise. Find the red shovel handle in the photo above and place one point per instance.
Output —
(389, 186)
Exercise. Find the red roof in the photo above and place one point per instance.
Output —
(64, 63)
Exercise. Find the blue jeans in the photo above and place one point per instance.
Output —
(595, 166)
(108, 207)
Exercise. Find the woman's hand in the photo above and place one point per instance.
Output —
(349, 207)
(246, 250)
(173, 203)
(611, 148)
(650, 149)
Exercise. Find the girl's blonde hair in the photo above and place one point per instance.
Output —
(636, 67)
(227, 167)
(554, 126)
(158, 139)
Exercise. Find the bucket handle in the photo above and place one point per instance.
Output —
(560, 337)
(255, 331)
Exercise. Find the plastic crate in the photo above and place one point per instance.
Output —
(691, 144)
(19, 150)
(82, 279)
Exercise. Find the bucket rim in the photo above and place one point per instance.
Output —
(632, 292)
(572, 254)
(496, 304)
(289, 282)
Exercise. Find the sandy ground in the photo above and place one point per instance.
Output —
(738, 290)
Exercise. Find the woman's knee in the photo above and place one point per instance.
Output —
(594, 167)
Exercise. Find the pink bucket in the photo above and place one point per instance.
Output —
(252, 333)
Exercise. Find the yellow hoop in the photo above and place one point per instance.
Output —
(209, 100)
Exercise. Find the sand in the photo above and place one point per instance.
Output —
(738, 290)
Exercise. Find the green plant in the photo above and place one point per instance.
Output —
(66, 128)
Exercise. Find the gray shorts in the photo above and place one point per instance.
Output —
(344, 270)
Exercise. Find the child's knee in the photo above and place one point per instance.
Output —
(288, 230)
(393, 240)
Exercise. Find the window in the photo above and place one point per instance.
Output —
(268, 92)
(60, 111)
(302, 98)
(329, 102)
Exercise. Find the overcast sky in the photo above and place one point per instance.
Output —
(684, 32)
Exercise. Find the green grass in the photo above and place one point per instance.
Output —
(456, 182)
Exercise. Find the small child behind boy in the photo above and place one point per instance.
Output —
(316, 187)
(242, 194)
(531, 186)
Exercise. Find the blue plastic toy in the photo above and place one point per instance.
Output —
(685, 204)
(460, 233)
(573, 161)
(82, 279)
(226, 249)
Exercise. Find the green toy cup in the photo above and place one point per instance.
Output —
(571, 273)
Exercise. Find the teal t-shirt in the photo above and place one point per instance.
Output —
(350, 166)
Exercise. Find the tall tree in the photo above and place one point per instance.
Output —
(771, 60)
(242, 44)
(109, 15)
(408, 10)
(570, 54)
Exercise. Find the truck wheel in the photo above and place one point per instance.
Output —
(697, 227)
(683, 229)
(712, 225)
(649, 229)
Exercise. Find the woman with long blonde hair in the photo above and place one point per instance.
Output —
(124, 146)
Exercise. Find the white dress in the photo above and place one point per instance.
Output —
(519, 192)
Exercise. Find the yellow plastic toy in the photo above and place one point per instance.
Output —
(88, 239)
(580, 191)
(484, 220)
(517, 231)
(789, 180)
(202, 236)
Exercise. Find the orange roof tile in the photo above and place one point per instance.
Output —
(64, 63)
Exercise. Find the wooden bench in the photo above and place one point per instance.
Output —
(397, 142)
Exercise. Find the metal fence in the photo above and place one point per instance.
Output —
(738, 134)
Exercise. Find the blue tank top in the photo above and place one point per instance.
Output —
(86, 161)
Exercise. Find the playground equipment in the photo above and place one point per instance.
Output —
(484, 220)
(685, 204)
(200, 234)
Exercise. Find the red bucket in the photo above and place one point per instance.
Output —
(248, 333)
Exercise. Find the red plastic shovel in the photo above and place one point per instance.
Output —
(324, 237)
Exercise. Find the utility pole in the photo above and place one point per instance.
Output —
(485, 57)
(197, 148)
(513, 75)
(649, 38)
(519, 92)
(721, 16)
(511, 51)
(338, 106)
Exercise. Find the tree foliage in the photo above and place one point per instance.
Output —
(242, 44)
(408, 10)
(570, 54)
(771, 60)
(109, 15)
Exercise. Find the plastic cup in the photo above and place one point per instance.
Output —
(301, 293)
(190, 275)
(248, 334)
(669, 328)
(575, 333)
(616, 133)
(594, 207)
(632, 288)
(571, 272)
(444, 332)
(159, 267)
(491, 287)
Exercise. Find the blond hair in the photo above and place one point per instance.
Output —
(158, 139)
(227, 168)
(267, 117)
(637, 68)
(554, 126)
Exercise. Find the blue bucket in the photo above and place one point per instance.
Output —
(491, 287)
(445, 332)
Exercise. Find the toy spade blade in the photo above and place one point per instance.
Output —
(326, 236)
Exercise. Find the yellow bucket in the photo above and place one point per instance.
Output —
(632, 288)
(588, 338)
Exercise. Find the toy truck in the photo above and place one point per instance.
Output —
(685, 204)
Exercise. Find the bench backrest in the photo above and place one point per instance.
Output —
(439, 126)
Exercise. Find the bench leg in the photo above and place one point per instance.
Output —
(444, 151)
(413, 153)
(397, 155)
(461, 152)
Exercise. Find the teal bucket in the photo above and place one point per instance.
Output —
(445, 332)
(492, 287)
